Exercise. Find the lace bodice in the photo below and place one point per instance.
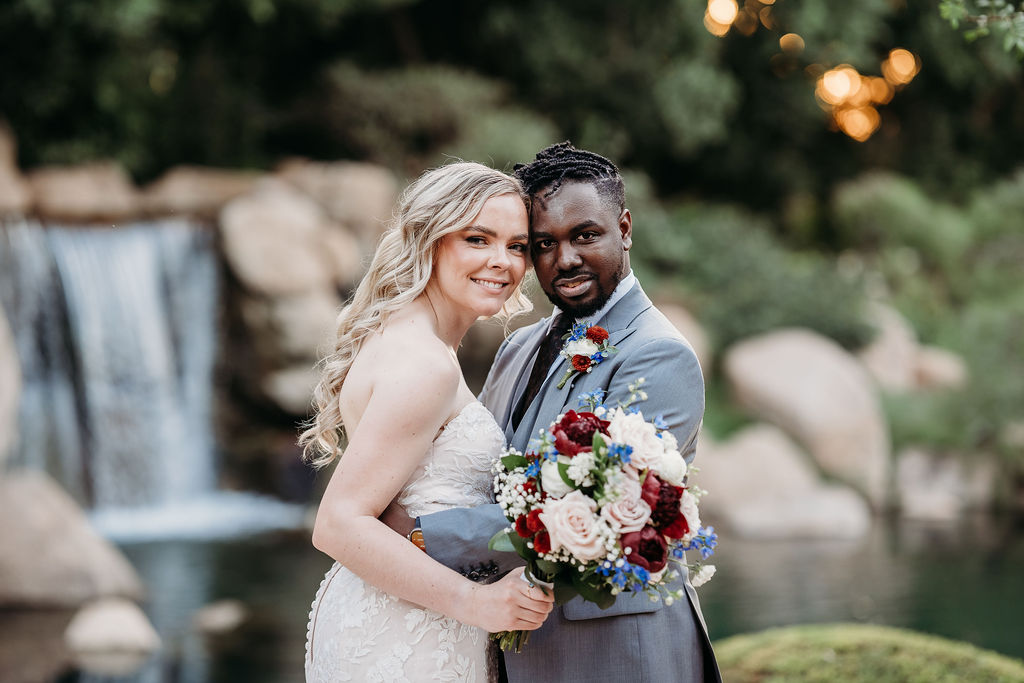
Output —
(456, 471)
(359, 633)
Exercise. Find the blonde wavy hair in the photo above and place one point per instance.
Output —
(441, 201)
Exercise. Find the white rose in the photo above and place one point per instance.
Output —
(580, 347)
(688, 506)
(671, 467)
(551, 481)
(631, 429)
(668, 440)
(572, 524)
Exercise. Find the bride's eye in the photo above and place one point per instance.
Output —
(519, 248)
(477, 240)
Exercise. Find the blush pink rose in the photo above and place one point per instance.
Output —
(572, 523)
(626, 515)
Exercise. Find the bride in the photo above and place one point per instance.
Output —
(416, 435)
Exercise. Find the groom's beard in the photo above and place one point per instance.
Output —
(588, 308)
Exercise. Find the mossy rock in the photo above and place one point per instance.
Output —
(851, 653)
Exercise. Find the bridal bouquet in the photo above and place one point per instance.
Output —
(600, 504)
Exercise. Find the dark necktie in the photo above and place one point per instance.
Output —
(546, 355)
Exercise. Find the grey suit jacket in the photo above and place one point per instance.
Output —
(635, 639)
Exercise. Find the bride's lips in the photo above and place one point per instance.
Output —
(490, 285)
(573, 287)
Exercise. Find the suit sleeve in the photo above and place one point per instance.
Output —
(674, 386)
(458, 538)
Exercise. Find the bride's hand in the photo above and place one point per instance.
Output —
(510, 604)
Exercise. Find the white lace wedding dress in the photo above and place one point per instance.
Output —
(359, 633)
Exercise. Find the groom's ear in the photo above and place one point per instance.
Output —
(626, 228)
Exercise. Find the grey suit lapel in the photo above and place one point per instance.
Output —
(551, 400)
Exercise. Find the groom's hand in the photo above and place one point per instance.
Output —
(394, 516)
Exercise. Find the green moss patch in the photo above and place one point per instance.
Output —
(851, 653)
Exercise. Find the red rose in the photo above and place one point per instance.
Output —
(533, 522)
(530, 486)
(575, 432)
(647, 549)
(542, 543)
(664, 501)
(580, 363)
(597, 334)
(521, 527)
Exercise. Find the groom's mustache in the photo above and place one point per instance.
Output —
(571, 275)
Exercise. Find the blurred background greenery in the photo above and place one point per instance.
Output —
(789, 163)
(740, 161)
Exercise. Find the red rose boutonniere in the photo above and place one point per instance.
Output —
(585, 347)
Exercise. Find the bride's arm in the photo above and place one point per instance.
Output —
(408, 405)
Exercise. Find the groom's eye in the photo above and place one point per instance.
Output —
(541, 245)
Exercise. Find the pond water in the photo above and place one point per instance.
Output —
(961, 581)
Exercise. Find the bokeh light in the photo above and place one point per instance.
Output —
(791, 42)
(723, 11)
(900, 67)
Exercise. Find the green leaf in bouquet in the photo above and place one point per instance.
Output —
(564, 591)
(563, 472)
(501, 542)
(598, 443)
(548, 568)
(514, 460)
(519, 544)
(590, 593)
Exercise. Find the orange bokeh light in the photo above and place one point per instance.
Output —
(713, 27)
(791, 42)
(858, 122)
(723, 11)
(900, 67)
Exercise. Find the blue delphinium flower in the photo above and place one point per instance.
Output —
(659, 422)
(620, 452)
(533, 469)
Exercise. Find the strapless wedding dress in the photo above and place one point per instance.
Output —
(359, 633)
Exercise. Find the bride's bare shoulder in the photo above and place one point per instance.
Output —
(407, 345)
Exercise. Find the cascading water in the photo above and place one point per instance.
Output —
(116, 332)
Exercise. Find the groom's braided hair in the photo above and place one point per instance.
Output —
(561, 162)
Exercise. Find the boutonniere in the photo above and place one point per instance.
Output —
(584, 347)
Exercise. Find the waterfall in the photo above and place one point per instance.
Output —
(116, 332)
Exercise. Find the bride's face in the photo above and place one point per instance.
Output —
(478, 267)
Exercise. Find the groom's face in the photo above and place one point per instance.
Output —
(579, 243)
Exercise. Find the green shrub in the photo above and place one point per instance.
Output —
(854, 653)
(881, 210)
(739, 281)
(417, 116)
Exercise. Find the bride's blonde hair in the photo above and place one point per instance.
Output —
(439, 202)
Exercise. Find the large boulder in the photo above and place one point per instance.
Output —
(891, 357)
(51, 556)
(941, 488)
(939, 369)
(95, 192)
(762, 486)
(291, 388)
(111, 637)
(300, 326)
(274, 241)
(195, 191)
(693, 331)
(10, 390)
(15, 197)
(820, 394)
(360, 196)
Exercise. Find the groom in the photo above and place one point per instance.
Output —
(580, 236)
